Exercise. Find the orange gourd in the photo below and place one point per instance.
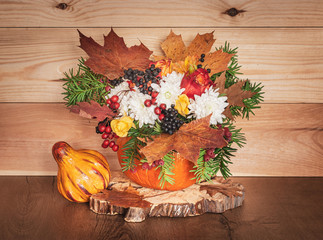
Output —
(149, 178)
(81, 173)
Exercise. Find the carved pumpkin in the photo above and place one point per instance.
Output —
(149, 178)
(81, 173)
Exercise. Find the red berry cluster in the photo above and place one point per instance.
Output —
(113, 102)
(210, 151)
(156, 163)
(158, 110)
(104, 128)
(227, 134)
(151, 101)
(209, 154)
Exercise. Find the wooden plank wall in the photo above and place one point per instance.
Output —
(280, 44)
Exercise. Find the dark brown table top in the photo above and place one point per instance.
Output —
(274, 208)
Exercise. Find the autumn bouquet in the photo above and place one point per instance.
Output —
(170, 118)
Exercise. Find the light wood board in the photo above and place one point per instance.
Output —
(282, 139)
(280, 44)
(181, 13)
(284, 60)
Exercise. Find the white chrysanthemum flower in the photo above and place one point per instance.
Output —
(122, 91)
(124, 86)
(169, 88)
(209, 102)
(138, 110)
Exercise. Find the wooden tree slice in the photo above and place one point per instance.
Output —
(136, 203)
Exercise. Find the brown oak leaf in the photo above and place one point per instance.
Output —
(114, 56)
(92, 110)
(175, 49)
(187, 141)
(234, 93)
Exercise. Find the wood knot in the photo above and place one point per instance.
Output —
(232, 12)
(62, 6)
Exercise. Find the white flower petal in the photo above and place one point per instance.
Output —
(169, 89)
(209, 102)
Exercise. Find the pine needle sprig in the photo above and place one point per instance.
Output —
(233, 68)
(166, 169)
(130, 154)
(250, 103)
(203, 171)
(231, 78)
(237, 137)
(138, 138)
(84, 85)
(222, 160)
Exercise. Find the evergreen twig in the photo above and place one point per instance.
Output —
(166, 170)
(84, 85)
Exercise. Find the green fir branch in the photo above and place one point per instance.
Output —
(233, 68)
(166, 170)
(250, 103)
(203, 171)
(132, 147)
(130, 154)
(231, 78)
(84, 85)
(237, 137)
(222, 160)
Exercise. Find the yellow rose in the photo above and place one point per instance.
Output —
(121, 126)
(182, 104)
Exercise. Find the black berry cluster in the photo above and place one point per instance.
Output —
(170, 123)
(202, 60)
(115, 82)
(143, 79)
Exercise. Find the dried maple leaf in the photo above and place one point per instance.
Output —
(234, 93)
(92, 110)
(226, 189)
(201, 44)
(175, 49)
(217, 61)
(121, 199)
(187, 141)
(114, 56)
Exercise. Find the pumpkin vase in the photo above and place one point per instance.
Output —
(149, 177)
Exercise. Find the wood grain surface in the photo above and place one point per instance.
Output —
(289, 65)
(275, 147)
(274, 208)
(280, 44)
(182, 13)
